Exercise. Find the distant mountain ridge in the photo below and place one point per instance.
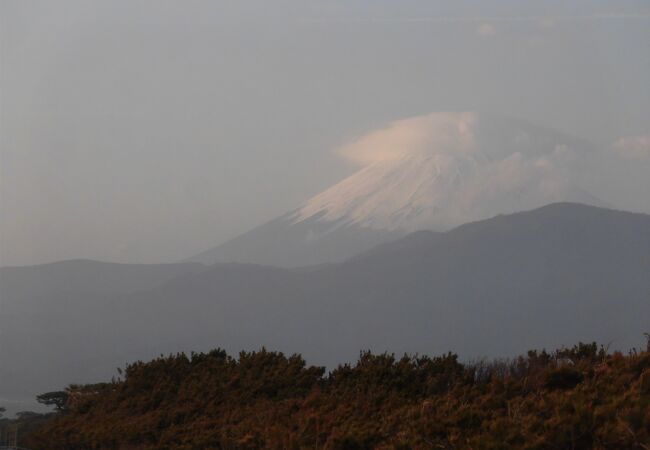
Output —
(283, 243)
(559, 274)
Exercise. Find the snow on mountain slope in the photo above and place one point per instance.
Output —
(431, 172)
(445, 169)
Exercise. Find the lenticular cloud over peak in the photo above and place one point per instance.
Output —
(443, 169)
(433, 133)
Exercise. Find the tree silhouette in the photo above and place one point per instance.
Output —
(58, 399)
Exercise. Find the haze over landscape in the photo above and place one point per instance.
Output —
(465, 179)
(125, 125)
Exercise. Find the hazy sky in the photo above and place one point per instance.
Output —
(147, 131)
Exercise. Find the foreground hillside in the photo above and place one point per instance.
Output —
(578, 398)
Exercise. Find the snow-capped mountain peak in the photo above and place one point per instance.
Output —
(444, 169)
(432, 172)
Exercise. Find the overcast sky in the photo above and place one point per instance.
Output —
(147, 131)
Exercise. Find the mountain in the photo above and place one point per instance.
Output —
(559, 274)
(432, 172)
(31, 282)
(285, 242)
(562, 273)
(57, 322)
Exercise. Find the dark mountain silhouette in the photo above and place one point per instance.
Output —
(545, 278)
(58, 323)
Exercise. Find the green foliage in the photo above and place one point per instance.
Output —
(576, 398)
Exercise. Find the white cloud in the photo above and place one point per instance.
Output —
(442, 169)
(542, 21)
(546, 22)
(634, 147)
(486, 30)
(439, 132)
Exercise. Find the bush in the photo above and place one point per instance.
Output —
(563, 378)
(575, 398)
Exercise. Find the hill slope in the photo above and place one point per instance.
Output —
(544, 278)
(283, 242)
(558, 274)
(58, 322)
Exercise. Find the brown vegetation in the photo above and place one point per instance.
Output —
(579, 398)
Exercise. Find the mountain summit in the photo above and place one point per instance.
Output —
(431, 172)
(444, 169)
